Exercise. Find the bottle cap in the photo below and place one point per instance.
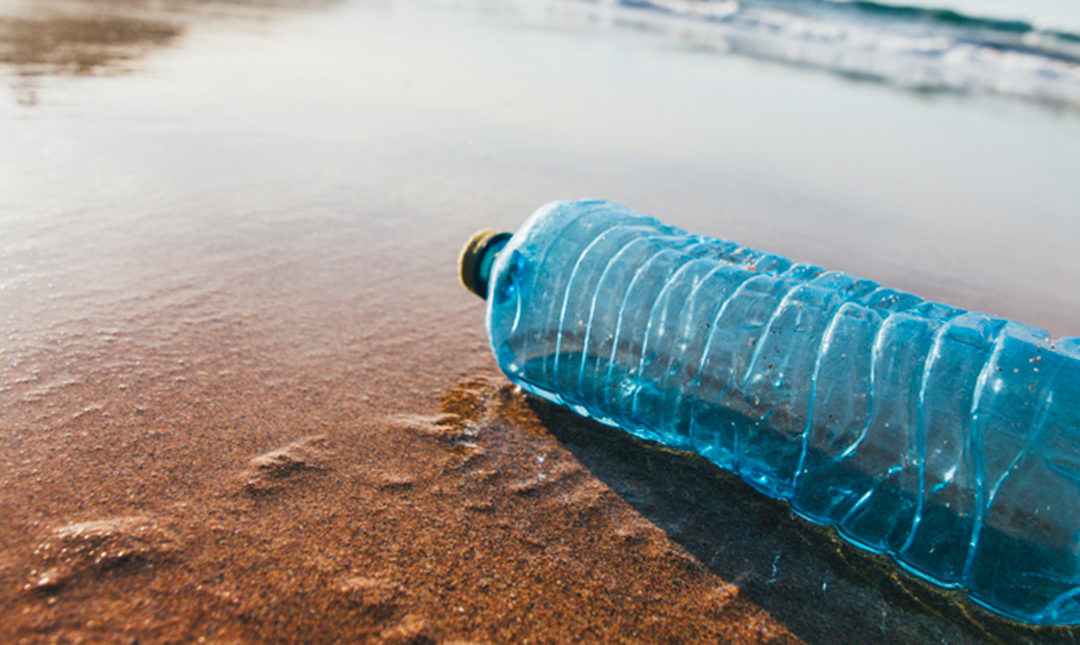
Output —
(472, 265)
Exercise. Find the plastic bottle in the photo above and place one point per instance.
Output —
(947, 439)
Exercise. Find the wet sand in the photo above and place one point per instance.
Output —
(243, 398)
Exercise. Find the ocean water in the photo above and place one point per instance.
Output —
(1029, 51)
(1048, 14)
(472, 113)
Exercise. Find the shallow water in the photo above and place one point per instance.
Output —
(227, 226)
(384, 115)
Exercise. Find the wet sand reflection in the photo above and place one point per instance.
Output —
(83, 38)
(79, 44)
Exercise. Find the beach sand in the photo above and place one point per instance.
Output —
(243, 398)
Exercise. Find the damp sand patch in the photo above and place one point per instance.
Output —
(79, 44)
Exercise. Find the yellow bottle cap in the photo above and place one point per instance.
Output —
(471, 267)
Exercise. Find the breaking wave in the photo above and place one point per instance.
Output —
(910, 46)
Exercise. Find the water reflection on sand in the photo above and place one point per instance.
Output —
(78, 44)
(73, 37)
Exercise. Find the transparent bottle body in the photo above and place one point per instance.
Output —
(945, 438)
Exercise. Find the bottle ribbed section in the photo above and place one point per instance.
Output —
(945, 438)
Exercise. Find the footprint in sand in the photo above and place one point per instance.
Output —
(91, 548)
(272, 470)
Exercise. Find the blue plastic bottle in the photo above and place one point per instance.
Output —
(947, 439)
